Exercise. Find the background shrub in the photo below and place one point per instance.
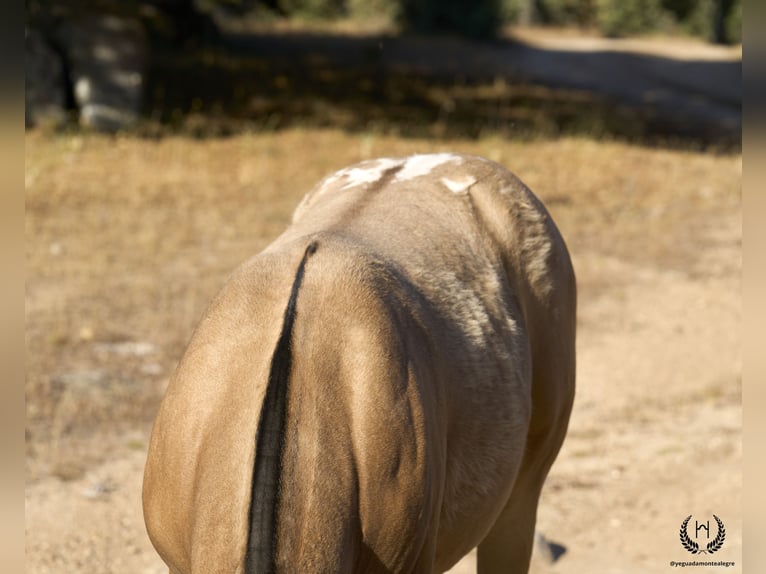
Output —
(616, 18)
(474, 19)
(377, 9)
(314, 9)
(713, 20)
(702, 20)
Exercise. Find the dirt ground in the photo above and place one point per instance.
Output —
(128, 239)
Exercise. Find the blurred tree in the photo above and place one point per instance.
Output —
(559, 12)
(718, 21)
(474, 19)
(580, 13)
(183, 19)
(99, 48)
(721, 16)
(387, 10)
(715, 20)
(618, 18)
(680, 9)
(471, 18)
(527, 12)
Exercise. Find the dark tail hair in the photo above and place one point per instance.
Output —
(265, 491)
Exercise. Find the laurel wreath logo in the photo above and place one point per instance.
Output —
(687, 542)
(712, 546)
(715, 544)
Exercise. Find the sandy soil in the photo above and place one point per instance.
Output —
(128, 239)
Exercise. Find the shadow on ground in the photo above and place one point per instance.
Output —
(443, 87)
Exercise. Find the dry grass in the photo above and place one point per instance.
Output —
(128, 239)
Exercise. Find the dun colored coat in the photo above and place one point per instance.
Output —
(382, 389)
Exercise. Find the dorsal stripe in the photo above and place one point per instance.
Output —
(265, 489)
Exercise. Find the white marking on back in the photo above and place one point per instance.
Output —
(412, 167)
(418, 165)
(459, 186)
(368, 174)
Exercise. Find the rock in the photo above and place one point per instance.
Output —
(546, 551)
(107, 59)
(80, 381)
(98, 489)
(45, 95)
(127, 348)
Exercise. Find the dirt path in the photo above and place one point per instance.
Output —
(679, 86)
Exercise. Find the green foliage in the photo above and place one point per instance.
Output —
(734, 23)
(474, 19)
(314, 9)
(566, 12)
(701, 21)
(330, 9)
(550, 12)
(379, 9)
(680, 9)
(630, 17)
(616, 18)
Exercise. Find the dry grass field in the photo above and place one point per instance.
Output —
(129, 238)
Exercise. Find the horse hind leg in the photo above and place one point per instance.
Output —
(507, 548)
